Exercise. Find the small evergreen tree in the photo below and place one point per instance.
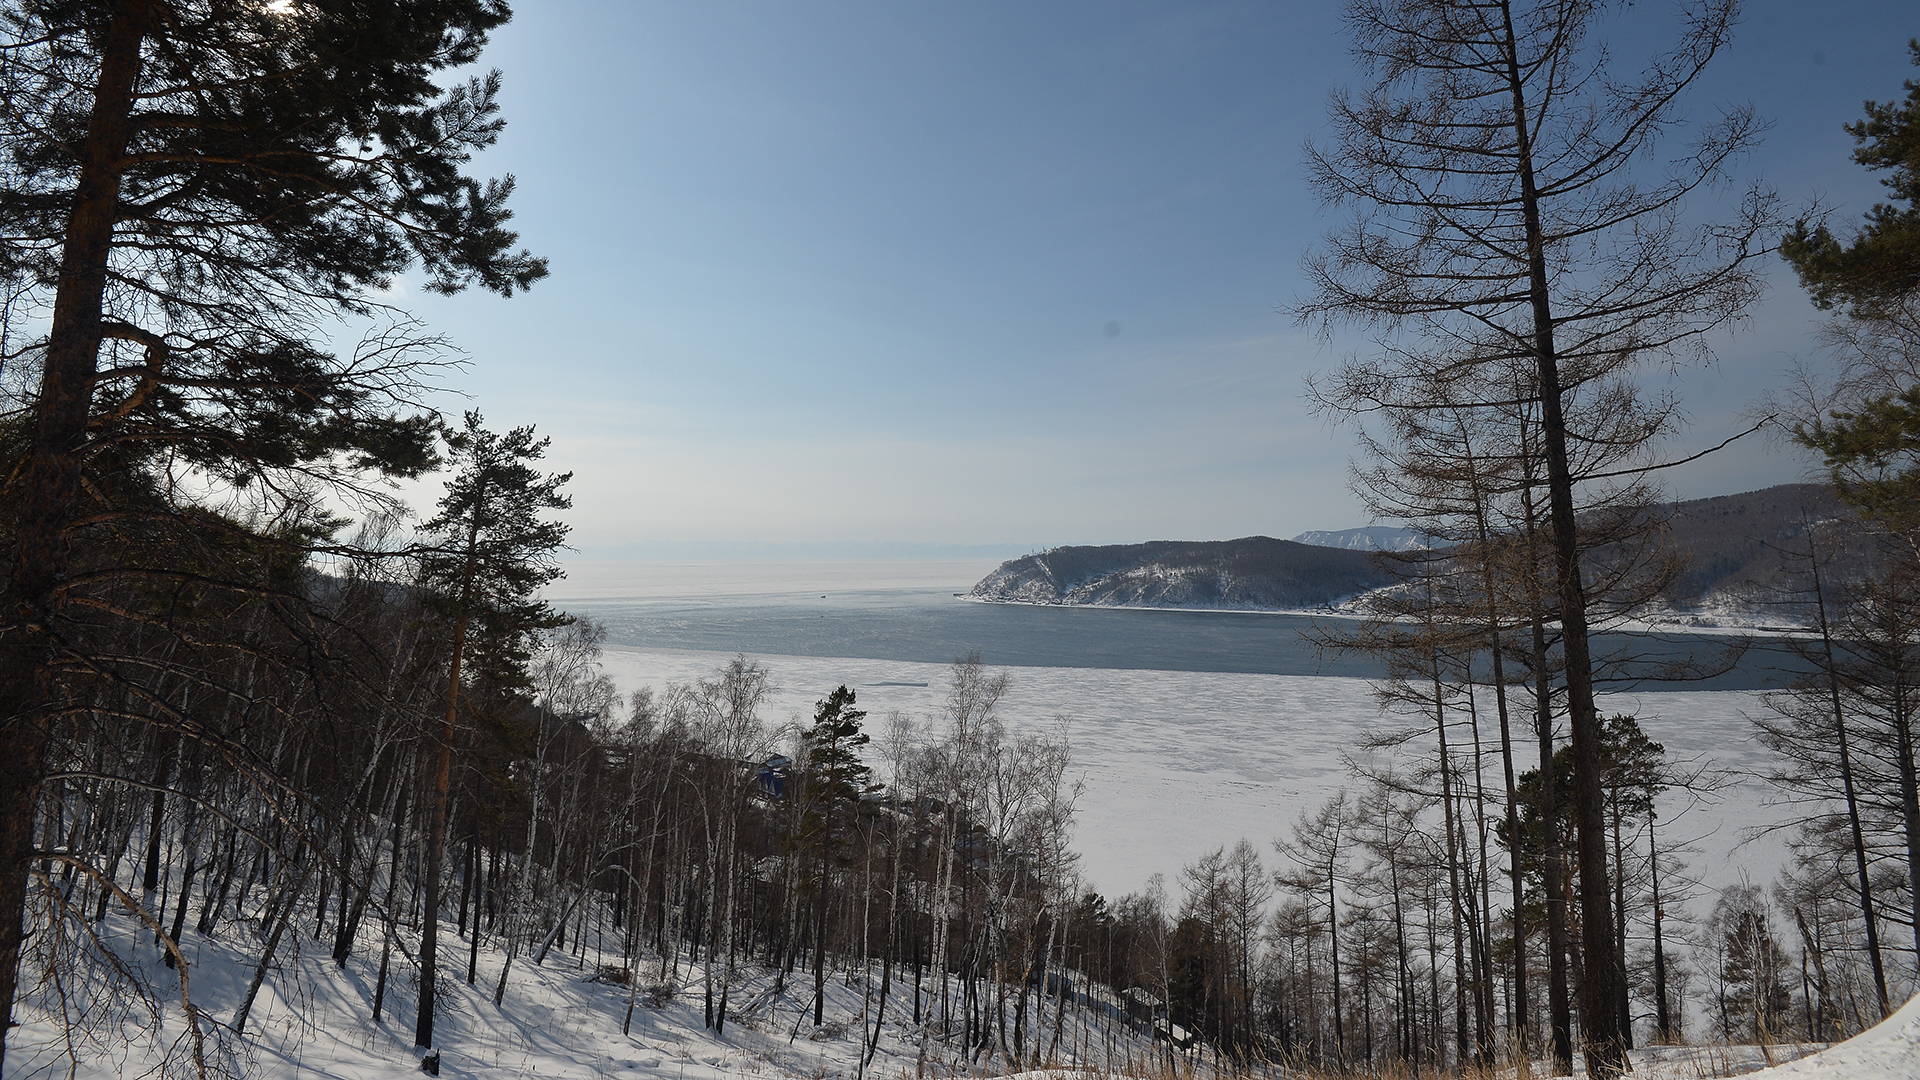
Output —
(834, 775)
(1753, 998)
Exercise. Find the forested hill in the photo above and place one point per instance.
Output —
(1750, 548)
(1252, 573)
(1738, 551)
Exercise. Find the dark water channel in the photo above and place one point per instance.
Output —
(932, 626)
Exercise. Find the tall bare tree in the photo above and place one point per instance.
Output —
(1509, 204)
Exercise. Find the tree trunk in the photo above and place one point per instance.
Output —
(1605, 1044)
(281, 918)
(437, 815)
(1846, 781)
(1662, 1014)
(390, 916)
(189, 840)
(1560, 1012)
(1460, 1032)
(1909, 792)
(1517, 1014)
(49, 481)
(1622, 1007)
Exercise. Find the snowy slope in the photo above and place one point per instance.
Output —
(1887, 1051)
(1254, 573)
(312, 1020)
(557, 1020)
(1370, 538)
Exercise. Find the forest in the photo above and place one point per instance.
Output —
(252, 696)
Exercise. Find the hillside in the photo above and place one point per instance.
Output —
(569, 1019)
(1739, 553)
(1252, 573)
(1748, 549)
(573, 1016)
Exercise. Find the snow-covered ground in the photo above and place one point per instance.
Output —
(1891, 1049)
(565, 1020)
(312, 1020)
(1177, 763)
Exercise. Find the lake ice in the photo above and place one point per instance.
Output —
(1174, 762)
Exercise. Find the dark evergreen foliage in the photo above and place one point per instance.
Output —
(1880, 266)
(191, 193)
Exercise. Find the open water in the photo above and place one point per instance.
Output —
(919, 617)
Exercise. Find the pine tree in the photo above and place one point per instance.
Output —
(1872, 443)
(835, 772)
(835, 776)
(193, 192)
(1879, 269)
(496, 552)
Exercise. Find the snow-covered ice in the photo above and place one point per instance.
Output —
(1178, 763)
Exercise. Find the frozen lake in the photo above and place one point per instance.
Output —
(1176, 760)
(1178, 763)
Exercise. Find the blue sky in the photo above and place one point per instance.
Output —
(987, 274)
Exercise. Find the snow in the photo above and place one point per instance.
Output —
(1889, 1049)
(1178, 763)
(312, 1022)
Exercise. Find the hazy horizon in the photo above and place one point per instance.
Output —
(1002, 276)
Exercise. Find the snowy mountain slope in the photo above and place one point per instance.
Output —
(1738, 544)
(1737, 552)
(559, 1020)
(1252, 573)
(1370, 538)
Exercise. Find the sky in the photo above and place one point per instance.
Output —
(839, 279)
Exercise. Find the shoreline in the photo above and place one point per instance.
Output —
(1631, 626)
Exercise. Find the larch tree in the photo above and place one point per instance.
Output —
(1509, 203)
(192, 192)
(1447, 448)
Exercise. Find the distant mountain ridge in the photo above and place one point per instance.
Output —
(1737, 548)
(1370, 538)
(1253, 573)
